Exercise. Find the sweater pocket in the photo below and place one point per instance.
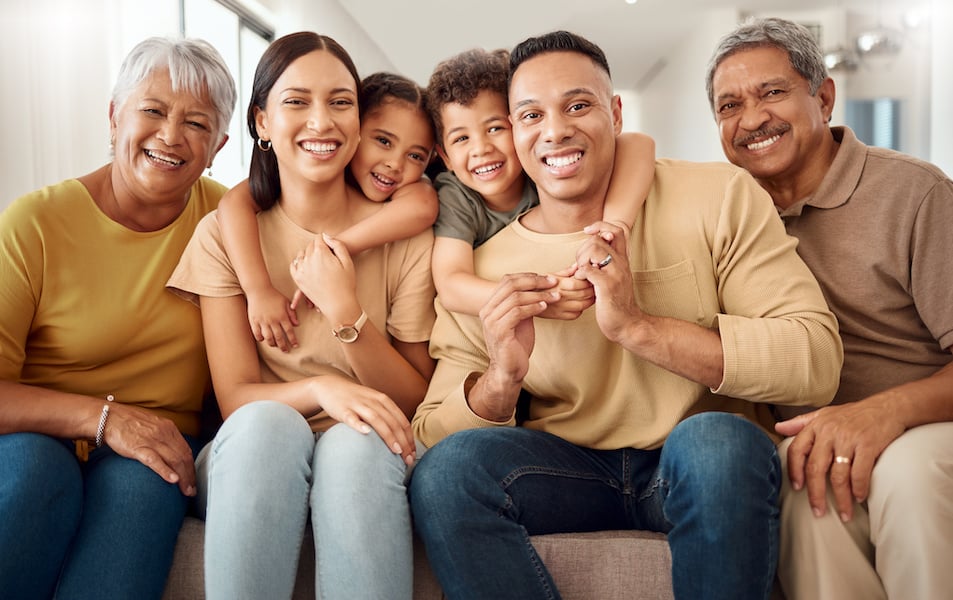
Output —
(670, 292)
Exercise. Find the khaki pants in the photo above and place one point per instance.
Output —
(899, 543)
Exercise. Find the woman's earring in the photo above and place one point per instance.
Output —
(264, 145)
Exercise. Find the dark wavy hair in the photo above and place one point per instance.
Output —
(263, 177)
(461, 78)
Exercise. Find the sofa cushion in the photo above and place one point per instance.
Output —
(635, 565)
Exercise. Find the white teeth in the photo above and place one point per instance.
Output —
(320, 148)
(382, 179)
(764, 144)
(488, 168)
(562, 161)
(164, 158)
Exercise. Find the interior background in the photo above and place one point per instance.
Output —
(61, 58)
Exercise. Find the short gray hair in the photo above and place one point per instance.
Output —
(194, 66)
(794, 39)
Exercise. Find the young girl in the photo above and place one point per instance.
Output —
(396, 146)
(321, 430)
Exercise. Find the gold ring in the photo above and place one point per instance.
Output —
(842, 460)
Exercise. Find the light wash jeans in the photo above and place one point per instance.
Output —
(258, 480)
(478, 495)
(106, 528)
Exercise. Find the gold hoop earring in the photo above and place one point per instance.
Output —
(264, 145)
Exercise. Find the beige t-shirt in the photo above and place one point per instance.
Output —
(707, 248)
(394, 287)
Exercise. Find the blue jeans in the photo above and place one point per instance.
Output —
(259, 479)
(106, 528)
(478, 496)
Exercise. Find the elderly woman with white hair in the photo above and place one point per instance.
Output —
(103, 371)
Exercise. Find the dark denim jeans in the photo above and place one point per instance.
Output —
(103, 529)
(478, 496)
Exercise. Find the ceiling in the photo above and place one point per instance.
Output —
(416, 34)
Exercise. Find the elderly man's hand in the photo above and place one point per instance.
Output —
(840, 443)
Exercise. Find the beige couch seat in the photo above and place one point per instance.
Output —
(607, 565)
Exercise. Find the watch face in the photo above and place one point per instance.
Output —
(346, 334)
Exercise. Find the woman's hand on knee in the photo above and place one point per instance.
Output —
(363, 409)
(152, 440)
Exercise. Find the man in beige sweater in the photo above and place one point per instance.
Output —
(875, 227)
(703, 313)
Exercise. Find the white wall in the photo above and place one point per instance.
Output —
(55, 81)
(941, 116)
(328, 17)
(675, 110)
(904, 76)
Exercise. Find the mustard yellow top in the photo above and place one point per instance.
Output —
(84, 304)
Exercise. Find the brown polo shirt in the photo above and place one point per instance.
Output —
(878, 235)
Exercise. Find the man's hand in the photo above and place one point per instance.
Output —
(507, 319)
(603, 260)
(840, 443)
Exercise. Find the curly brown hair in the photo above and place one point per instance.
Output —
(460, 78)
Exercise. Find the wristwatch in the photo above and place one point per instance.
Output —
(348, 333)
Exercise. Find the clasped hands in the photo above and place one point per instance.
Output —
(507, 317)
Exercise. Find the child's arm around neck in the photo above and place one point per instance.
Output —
(269, 313)
(632, 176)
(411, 210)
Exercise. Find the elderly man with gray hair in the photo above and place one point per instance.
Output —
(867, 505)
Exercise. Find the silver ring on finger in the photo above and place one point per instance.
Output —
(842, 460)
(605, 261)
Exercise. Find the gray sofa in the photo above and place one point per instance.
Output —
(634, 565)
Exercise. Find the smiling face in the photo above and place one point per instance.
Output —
(396, 144)
(311, 118)
(565, 120)
(768, 120)
(477, 146)
(162, 140)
